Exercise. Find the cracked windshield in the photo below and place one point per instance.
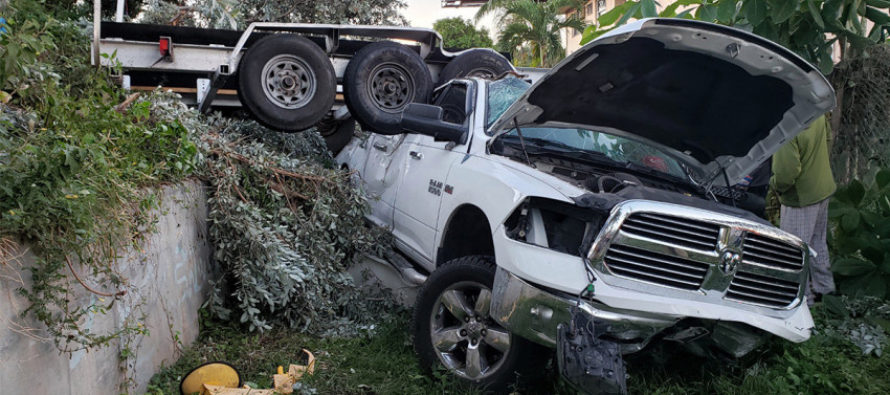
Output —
(503, 93)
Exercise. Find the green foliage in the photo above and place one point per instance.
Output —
(72, 168)
(860, 217)
(841, 357)
(459, 33)
(285, 228)
(800, 25)
(535, 25)
(226, 13)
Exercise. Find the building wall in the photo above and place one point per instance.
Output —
(169, 273)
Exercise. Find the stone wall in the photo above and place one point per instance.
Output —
(169, 274)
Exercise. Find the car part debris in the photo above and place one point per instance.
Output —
(221, 378)
(590, 364)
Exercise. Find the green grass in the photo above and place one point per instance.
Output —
(384, 363)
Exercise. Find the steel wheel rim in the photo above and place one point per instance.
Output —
(391, 87)
(288, 81)
(465, 339)
(482, 72)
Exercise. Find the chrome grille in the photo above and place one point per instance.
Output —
(762, 290)
(765, 251)
(655, 268)
(673, 230)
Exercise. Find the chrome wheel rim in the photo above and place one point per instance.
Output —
(288, 81)
(466, 340)
(391, 87)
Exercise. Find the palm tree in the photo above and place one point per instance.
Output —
(536, 24)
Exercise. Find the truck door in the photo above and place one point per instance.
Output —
(425, 172)
(381, 175)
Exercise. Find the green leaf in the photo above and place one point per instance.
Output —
(835, 305)
(878, 3)
(612, 15)
(882, 178)
(852, 193)
(781, 10)
(876, 286)
(726, 11)
(876, 16)
(852, 267)
(707, 13)
(670, 11)
(850, 221)
(814, 12)
(634, 8)
(755, 11)
(647, 7)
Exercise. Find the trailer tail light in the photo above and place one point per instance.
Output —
(165, 46)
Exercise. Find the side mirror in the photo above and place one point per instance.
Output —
(427, 120)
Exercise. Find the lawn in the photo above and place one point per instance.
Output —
(382, 362)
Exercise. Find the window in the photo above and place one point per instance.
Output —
(601, 7)
(501, 95)
(453, 100)
(590, 8)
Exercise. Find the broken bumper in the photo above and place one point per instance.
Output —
(535, 313)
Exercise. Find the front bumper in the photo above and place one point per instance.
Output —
(535, 313)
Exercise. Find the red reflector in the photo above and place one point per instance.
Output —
(164, 46)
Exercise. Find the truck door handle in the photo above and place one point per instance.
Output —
(416, 155)
(380, 147)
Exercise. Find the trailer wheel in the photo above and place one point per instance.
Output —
(380, 81)
(336, 133)
(480, 62)
(286, 82)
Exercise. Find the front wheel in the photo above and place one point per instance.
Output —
(452, 328)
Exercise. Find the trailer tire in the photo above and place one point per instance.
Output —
(380, 81)
(479, 62)
(286, 82)
(336, 133)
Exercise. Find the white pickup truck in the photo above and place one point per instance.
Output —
(594, 210)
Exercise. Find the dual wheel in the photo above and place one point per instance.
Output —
(288, 83)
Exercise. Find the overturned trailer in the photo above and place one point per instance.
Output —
(293, 76)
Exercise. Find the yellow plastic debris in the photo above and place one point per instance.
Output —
(222, 379)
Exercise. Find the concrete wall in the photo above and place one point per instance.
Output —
(169, 274)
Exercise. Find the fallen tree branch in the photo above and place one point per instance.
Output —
(126, 103)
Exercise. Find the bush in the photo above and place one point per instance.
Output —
(860, 243)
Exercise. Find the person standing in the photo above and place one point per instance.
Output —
(804, 183)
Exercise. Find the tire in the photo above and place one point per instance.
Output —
(286, 82)
(380, 81)
(464, 279)
(336, 134)
(480, 62)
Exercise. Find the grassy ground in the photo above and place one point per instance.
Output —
(384, 363)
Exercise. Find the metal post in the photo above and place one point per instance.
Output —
(119, 12)
(97, 21)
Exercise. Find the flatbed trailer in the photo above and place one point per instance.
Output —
(292, 76)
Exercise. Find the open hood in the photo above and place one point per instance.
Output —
(712, 95)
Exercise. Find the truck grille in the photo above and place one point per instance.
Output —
(655, 268)
(765, 251)
(757, 289)
(673, 230)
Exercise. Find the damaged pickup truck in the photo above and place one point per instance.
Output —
(595, 210)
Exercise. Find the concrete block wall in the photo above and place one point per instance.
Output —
(169, 273)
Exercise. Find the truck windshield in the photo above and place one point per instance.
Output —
(503, 93)
(590, 143)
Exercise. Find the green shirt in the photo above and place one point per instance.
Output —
(801, 171)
